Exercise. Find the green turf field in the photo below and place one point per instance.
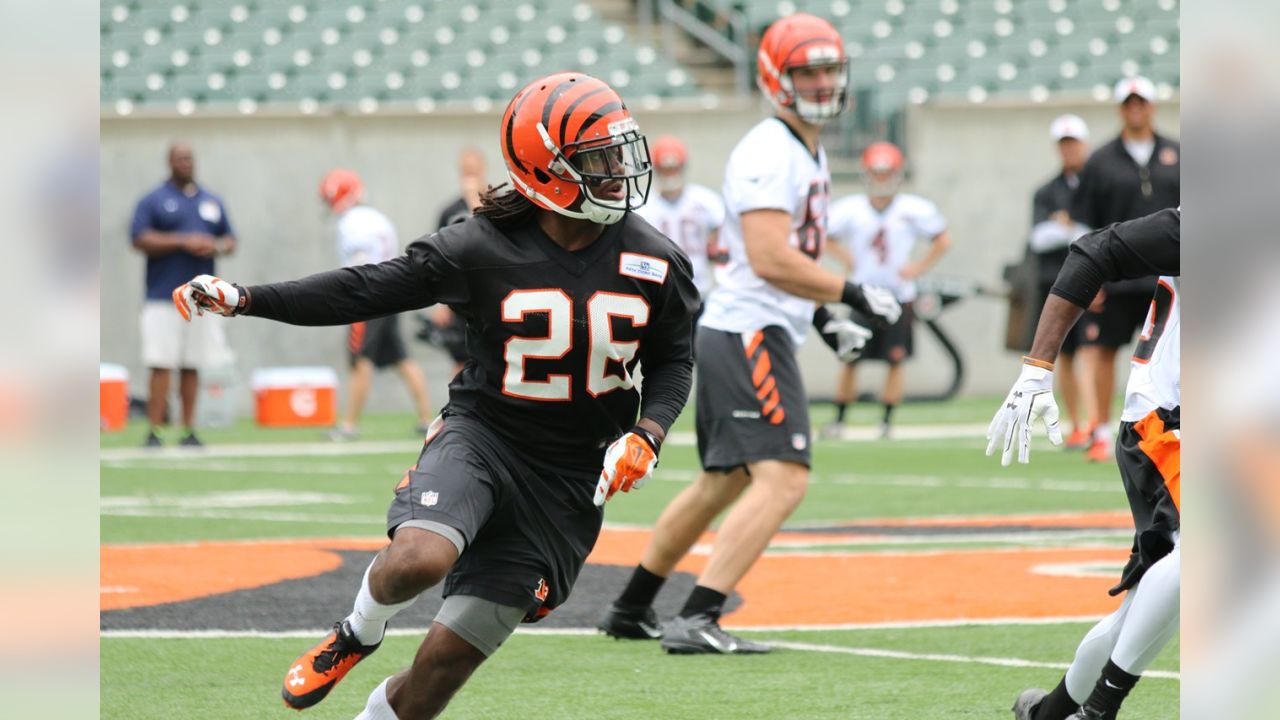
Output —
(297, 485)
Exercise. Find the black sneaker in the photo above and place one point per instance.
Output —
(628, 622)
(191, 441)
(313, 675)
(702, 634)
(153, 440)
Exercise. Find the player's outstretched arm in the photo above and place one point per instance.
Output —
(336, 297)
(1126, 250)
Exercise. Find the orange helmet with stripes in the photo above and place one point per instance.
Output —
(572, 147)
(883, 162)
(798, 41)
(341, 189)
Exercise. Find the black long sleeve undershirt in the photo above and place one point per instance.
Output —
(344, 296)
(1138, 248)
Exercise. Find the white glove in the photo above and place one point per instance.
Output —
(875, 301)
(207, 293)
(628, 464)
(845, 337)
(1030, 399)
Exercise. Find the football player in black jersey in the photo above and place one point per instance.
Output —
(564, 292)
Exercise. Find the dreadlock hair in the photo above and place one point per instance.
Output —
(507, 208)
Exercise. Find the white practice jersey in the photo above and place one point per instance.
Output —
(1155, 378)
(769, 169)
(881, 242)
(366, 236)
(689, 222)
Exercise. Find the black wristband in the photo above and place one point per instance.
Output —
(852, 296)
(243, 303)
(820, 317)
(654, 443)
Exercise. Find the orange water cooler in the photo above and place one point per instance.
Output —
(113, 397)
(295, 396)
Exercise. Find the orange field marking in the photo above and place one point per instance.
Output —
(839, 587)
(140, 575)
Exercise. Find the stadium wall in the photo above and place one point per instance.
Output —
(980, 163)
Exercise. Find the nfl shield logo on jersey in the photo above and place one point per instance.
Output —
(429, 498)
(799, 441)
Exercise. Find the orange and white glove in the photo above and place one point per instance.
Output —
(628, 463)
(207, 293)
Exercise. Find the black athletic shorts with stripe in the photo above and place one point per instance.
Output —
(1149, 453)
(528, 528)
(377, 339)
(751, 403)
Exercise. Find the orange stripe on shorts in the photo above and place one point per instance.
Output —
(1164, 447)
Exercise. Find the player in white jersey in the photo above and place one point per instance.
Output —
(874, 234)
(366, 236)
(1114, 654)
(688, 213)
(752, 411)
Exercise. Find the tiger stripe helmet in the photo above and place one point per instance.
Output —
(572, 147)
(796, 41)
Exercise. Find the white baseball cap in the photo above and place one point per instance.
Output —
(1069, 126)
(1136, 85)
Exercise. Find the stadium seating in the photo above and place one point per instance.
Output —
(360, 54)
(367, 54)
(984, 49)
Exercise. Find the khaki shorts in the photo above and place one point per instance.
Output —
(168, 341)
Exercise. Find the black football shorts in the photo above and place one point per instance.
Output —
(377, 339)
(1149, 453)
(527, 528)
(751, 403)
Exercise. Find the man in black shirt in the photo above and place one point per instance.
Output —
(564, 292)
(1130, 177)
(1053, 229)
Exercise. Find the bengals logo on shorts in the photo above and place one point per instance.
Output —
(541, 591)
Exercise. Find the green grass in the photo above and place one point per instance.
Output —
(590, 677)
(593, 677)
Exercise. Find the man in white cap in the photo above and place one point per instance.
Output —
(1134, 175)
(1052, 232)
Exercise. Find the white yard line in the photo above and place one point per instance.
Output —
(880, 653)
(381, 447)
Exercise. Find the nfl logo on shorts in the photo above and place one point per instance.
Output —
(429, 498)
(798, 441)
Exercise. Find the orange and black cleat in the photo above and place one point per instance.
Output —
(312, 676)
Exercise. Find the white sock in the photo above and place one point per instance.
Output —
(368, 618)
(378, 708)
(1153, 616)
(1093, 652)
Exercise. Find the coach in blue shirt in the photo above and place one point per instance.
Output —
(180, 227)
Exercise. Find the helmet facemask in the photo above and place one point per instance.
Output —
(817, 112)
(613, 172)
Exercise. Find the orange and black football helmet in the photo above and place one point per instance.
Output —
(797, 41)
(572, 147)
(341, 190)
(883, 163)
